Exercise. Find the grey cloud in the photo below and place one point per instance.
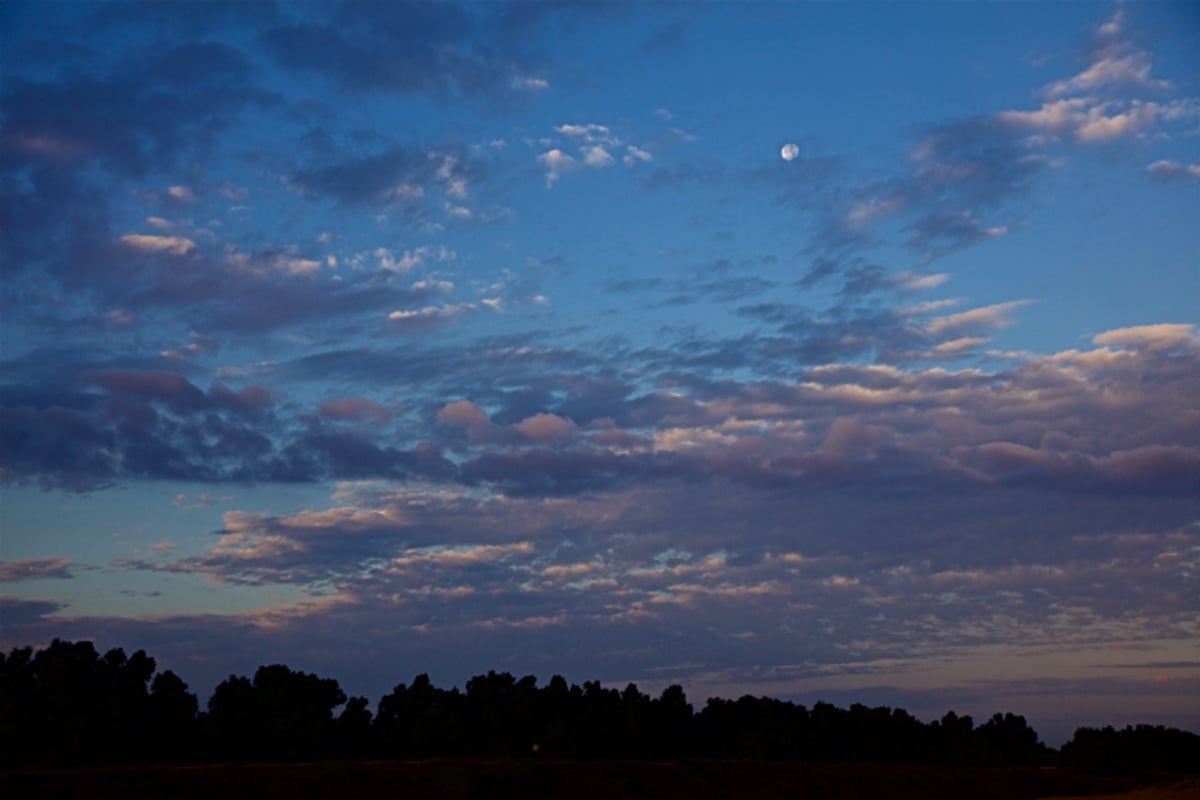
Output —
(546, 471)
(214, 294)
(16, 614)
(964, 171)
(398, 177)
(936, 235)
(211, 15)
(127, 120)
(34, 568)
(1048, 421)
(825, 594)
(159, 425)
(434, 49)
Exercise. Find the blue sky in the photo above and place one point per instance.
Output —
(843, 351)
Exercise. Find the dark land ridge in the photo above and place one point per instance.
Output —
(74, 722)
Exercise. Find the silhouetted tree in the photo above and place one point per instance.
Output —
(421, 720)
(172, 717)
(354, 728)
(1006, 740)
(281, 714)
(18, 706)
(953, 737)
(751, 727)
(558, 708)
(1131, 749)
(670, 733)
(68, 704)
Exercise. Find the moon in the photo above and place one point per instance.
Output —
(790, 151)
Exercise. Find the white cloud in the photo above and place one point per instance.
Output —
(931, 306)
(1131, 71)
(1173, 170)
(635, 154)
(991, 317)
(590, 132)
(531, 84)
(957, 347)
(176, 245)
(432, 313)
(596, 156)
(1164, 336)
(403, 192)
(300, 266)
(432, 285)
(463, 555)
(230, 192)
(411, 258)
(868, 211)
(183, 194)
(285, 261)
(1053, 117)
(1112, 27)
(918, 283)
(1090, 121)
(1099, 127)
(1107, 100)
(556, 163)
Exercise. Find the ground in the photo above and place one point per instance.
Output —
(580, 780)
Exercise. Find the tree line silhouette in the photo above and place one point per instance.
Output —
(68, 704)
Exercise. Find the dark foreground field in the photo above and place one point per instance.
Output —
(579, 780)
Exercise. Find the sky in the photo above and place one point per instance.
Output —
(822, 351)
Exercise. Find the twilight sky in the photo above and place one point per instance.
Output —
(843, 351)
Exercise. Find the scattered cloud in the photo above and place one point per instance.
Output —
(406, 179)
(423, 318)
(1165, 171)
(338, 284)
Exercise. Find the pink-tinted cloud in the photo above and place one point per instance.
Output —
(1152, 337)
(545, 427)
(355, 409)
(33, 568)
(463, 413)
